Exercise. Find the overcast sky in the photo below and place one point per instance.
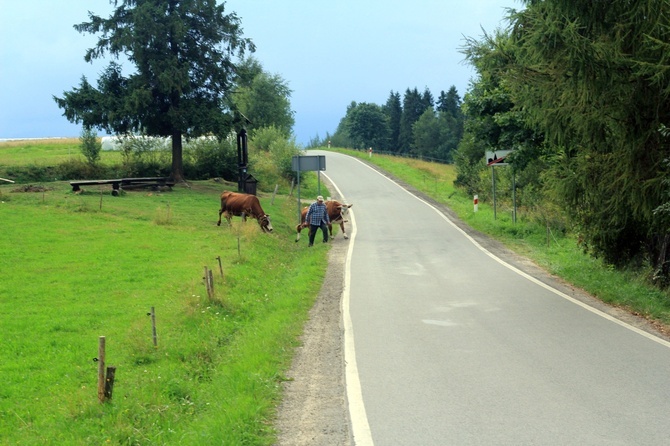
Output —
(330, 53)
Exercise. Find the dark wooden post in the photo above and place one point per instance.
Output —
(153, 326)
(274, 194)
(101, 369)
(208, 283)
(220, 267)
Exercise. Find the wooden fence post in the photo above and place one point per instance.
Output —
(206, 277)
(209, 282)
(101, 369)
(153, 326)
(220, 267)
(273, 195)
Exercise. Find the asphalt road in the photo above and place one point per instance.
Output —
(446, 344)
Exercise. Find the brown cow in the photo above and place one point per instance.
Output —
(234, 203)
(336, 212)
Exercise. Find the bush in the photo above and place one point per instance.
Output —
(206, 158)
(145, 156)
(90, 146)
(271, 157)
(32, 173)
(76, 169)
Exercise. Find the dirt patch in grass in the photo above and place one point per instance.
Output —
(31, 188)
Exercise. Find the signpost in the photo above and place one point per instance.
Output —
(308, 163)
(242, 159)
(495, 159)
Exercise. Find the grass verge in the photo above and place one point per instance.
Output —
(76, 267)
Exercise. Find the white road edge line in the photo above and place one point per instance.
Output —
(527, 276)
(360, 427)
(358, 416)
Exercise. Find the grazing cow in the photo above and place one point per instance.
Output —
(336, 212)
(234, 203)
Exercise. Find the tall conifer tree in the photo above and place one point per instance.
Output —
(602, 66)
(413, 108)
(393, 110)
(184, 54)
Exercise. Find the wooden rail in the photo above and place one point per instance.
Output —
(119, 183)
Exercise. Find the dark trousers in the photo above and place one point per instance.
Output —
(312, 232)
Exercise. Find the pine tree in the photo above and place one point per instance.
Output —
(393, 111)
(593, 76)
(413, 108)
(427, 100)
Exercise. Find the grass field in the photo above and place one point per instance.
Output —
(77, 267)
(43, 152)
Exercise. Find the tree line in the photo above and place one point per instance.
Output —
(415, 124)
(579, 91)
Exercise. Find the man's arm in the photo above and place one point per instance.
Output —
(309, 213)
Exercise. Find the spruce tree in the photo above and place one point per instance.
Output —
(184, 54)
(393, 111)
(593, 77)
(413, 108)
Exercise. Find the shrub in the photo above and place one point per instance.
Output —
(32, 173)
(90, 146)
(76, 169)
(270, 157)
(206, 158)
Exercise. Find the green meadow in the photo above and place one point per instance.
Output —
(75, 267)
(46, 152)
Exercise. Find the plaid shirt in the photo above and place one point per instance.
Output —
(316, 214)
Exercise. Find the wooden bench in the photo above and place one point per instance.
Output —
(119, 183)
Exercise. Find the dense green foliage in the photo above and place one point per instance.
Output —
(367, 126)
(415, 126)
(184, 54)
(580, 91)
(264, 99)
(393, 110)
(271, 155)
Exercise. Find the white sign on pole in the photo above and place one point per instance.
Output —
(493, 157)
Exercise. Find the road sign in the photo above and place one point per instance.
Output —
(497, 157)
(309, 162)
